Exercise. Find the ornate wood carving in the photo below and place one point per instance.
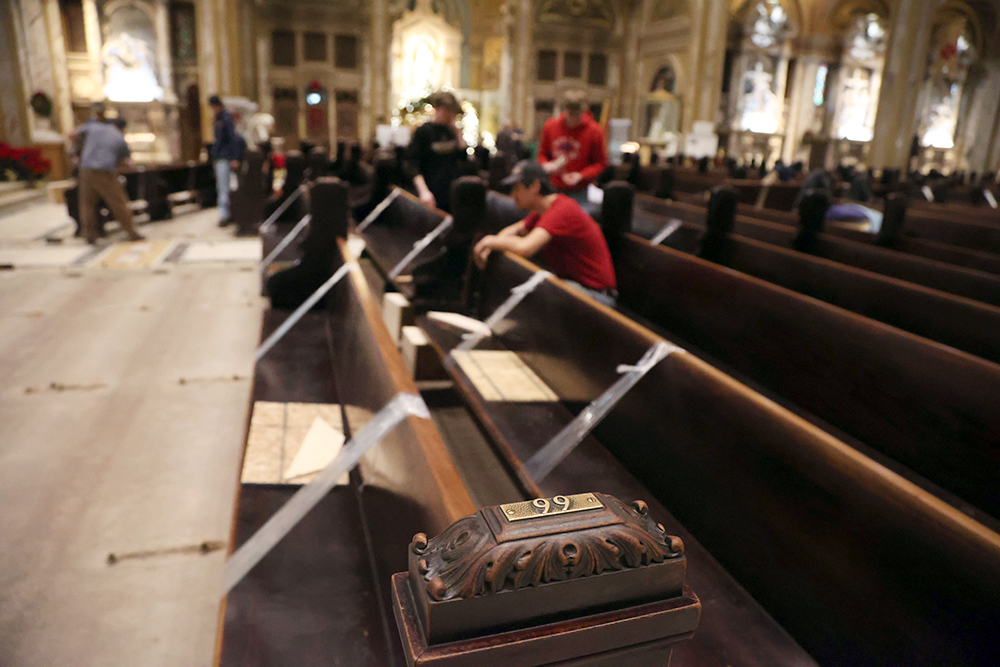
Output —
(467, 560)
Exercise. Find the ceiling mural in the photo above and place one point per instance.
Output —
(590, 11)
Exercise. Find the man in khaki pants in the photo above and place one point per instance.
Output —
(104, 149)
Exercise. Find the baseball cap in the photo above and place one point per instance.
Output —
(527, 172)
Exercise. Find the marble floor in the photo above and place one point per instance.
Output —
(125, 385)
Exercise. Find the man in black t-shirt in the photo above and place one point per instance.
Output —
(436, 152)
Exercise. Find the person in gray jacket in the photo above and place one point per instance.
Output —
(104, 150)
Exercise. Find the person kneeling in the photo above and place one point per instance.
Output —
(570, 241)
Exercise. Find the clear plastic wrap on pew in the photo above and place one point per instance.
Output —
(300, 311)
(559, 447)
(286, 518)
(517, 294)
(266, 227)
(419, 246)
(377, 211)
(291, 236)
(666, 231)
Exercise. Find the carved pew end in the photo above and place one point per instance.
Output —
(582, 579)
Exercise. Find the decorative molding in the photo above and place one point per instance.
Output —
(466, 561)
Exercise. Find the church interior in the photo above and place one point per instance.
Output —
(535, 333)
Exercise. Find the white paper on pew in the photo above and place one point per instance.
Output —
(460, 321)
(501, 375)
(322, 443)
(286, 518)
(355, 246)
(990, 199)
(595, 195)
(559, 447)
(928, 193)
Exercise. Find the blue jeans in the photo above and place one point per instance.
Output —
(222, 171)
(597, 295)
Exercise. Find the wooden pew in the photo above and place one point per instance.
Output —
(859, 565)
(321, 596)
(923, 404)
(957, 321)
(965, 257)
(969, 283)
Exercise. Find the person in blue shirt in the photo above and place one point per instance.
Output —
(227, 152)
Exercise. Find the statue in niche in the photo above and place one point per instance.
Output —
(942, 119)
(856, 96)
(758, 98)
(128, 70)
(662, 109)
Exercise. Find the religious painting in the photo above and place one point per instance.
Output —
(129, 56)
(596, 12)
(347, 115)
(664, 10)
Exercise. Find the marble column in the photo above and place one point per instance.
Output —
(378, 62)
(13, 121)
(977, 135)
(163, 61)
(92, 30)
(905, 63)
(707, 49)
(628, 82)
(521, 112)
(803, 82)
(506, 92)
(713, 59)
(35, 58)
(208, 55)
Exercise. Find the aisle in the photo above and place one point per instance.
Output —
(122, 415)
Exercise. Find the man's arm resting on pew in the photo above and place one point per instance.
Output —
(423, 192)
(511, 239)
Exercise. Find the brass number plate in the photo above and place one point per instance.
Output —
(541, 507)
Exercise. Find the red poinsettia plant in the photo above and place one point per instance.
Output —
(26, 163)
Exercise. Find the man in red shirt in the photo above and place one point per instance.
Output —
(572, 148)
(570, 241)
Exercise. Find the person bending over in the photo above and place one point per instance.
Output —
(570, 241)
(436, 152)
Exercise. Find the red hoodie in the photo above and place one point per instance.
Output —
(582, 145)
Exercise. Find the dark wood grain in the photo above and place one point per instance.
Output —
(861, 566)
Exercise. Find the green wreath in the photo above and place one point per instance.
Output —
(41, 104)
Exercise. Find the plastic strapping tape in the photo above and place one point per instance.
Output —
(286, 518)
(667, 230)
(517, 294)
(281, 209)
(990, 199)
(377, 211)
(557, 449)
(300, 311)
(419, 246)
(296, 230)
